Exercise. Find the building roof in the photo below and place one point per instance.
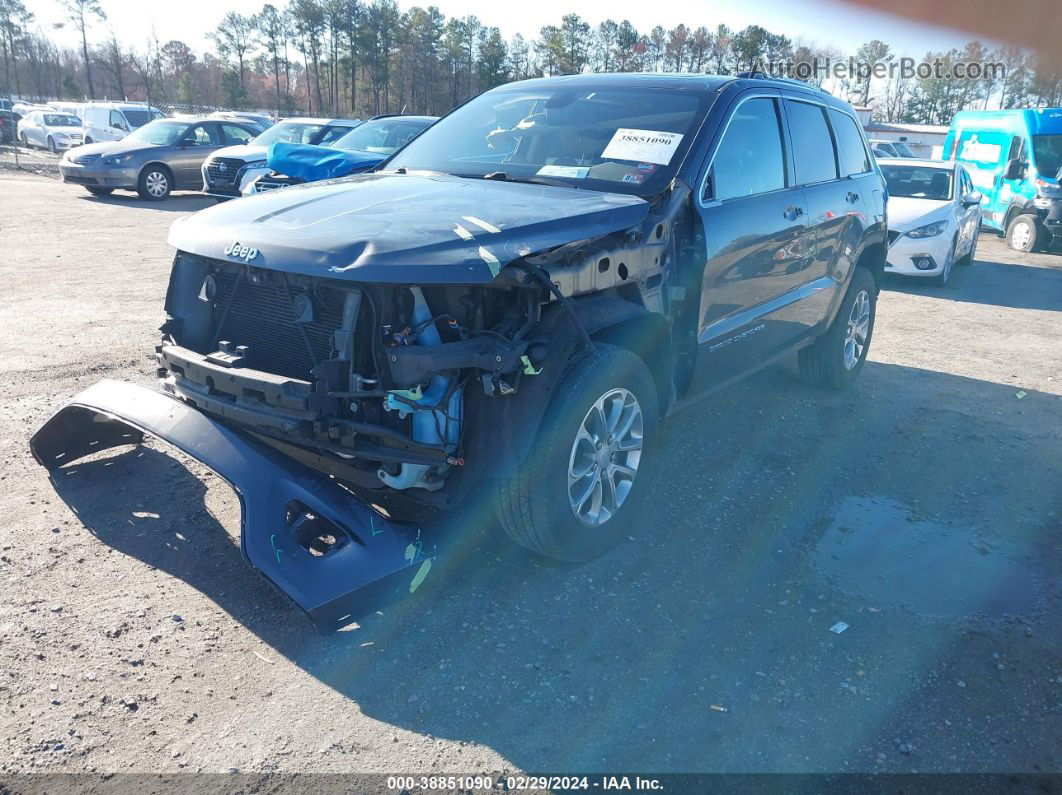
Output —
(923, 162)
(931, 129)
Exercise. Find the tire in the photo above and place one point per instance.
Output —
(88, 141)
(51, 146)
(941, 278)
(1026, 233)
(155, 183)
(834, 360)
(968, 257)
(23, 140)
(99, 191)
(535, 505)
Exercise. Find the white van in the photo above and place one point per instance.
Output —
(112, 121)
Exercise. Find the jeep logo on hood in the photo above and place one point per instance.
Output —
(246, 253)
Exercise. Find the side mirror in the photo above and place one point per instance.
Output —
(1015, 169)
(972, 199)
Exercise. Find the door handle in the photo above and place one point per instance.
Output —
(792, 212)
(851, 197)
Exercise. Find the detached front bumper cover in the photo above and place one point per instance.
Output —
(331, 554)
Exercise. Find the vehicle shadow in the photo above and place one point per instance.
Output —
(1015, 285)
(614, 664)
(177, 202)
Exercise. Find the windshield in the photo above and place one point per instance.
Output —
(629, 140)
(914, 182)
(384, 136)
(300, 132)
(159, 133)
(1047, 152)
(61, 120)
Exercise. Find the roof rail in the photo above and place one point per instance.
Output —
(759, 75)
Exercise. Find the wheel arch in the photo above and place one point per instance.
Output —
(507, 427)
(1016, 209)
(872, 257)
(645, 335)
(161, 164)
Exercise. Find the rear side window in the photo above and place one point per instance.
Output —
(850, 149)
(750, 158)
(813, 154)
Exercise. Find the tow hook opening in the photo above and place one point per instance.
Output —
(313, 532)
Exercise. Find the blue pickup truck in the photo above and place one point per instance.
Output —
(1014, 158)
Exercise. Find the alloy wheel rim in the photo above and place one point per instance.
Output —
(1021, 235)
(855, 338)
(604, 458)
(156, 183)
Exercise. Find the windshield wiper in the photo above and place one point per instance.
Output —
(503, 176)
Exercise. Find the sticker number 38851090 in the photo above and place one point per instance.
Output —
(644, 146)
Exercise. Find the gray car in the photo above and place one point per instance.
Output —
(162, 156)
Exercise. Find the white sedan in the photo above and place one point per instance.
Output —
(50, 129)
(934, 217)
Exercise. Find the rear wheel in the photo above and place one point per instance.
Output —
(577, 492)
(155, 183)
(1026, 233)
(834, 360)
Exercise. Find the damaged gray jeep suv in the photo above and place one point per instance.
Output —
(512, 302)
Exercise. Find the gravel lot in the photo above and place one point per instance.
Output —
(922, 508)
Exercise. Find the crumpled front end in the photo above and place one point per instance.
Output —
(330, 553)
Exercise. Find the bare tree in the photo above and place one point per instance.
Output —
(236, 36)
(80, 13)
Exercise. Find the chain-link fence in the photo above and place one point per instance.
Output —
(23, 158)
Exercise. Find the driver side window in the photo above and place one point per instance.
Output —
(750, 158)
(202, 135)
(117, 121)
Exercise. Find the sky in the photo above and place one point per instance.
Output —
(820, 21)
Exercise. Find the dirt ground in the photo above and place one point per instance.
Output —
(922, 508)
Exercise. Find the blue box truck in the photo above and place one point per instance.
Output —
(1014, 158)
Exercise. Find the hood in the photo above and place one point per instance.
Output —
(404, 228)
(907, 213)
(112, 148)
(245, 152)
(312, 163)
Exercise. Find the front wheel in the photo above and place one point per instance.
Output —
(834, 360)
(154, 184)
(1026, 233)
(941, 278)
(22, 139)
(577, 492)
(51, 145)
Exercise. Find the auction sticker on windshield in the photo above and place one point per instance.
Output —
(648, 146)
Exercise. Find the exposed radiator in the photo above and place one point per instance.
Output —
(257, 311)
